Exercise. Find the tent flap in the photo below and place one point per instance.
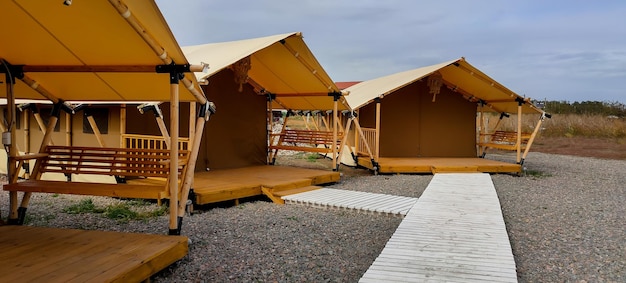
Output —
(457, 75)
(281, 64)
(91, 33)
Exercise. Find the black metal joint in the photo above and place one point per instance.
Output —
(12, 71)
(520, 101)
(504, 114)
(180, 224)
(270, 96)
(173, 68)
(335, 95)
(192, 196)
(21, 215)
(87, 112)
(56, 109)
(174, 232)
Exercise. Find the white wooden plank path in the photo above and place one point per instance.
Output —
(455, 232)
(344, 199)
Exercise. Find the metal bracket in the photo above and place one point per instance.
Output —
(335, 95)
(206, 110)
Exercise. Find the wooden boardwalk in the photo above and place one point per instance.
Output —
(454, 233)
(362, 201)
(37, 254)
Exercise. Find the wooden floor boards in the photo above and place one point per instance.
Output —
(231, 184)
(38, 254)
(440, 165)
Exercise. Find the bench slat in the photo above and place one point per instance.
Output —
(94, 189)
(103, 161)
(505, 140)
(307, 140)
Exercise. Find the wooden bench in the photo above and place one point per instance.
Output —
(123, 163)
(505, 140)
(306, 140)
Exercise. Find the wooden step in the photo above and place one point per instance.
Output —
(276, 196)
(296, 191)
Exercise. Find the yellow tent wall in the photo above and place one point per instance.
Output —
(236, 135)
(412, 125)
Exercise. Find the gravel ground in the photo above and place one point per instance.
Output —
(565, 219)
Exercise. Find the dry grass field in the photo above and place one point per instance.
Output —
(579, 135)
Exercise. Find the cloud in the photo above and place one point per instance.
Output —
(565, 50)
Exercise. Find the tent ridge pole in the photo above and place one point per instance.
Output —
(159, 50)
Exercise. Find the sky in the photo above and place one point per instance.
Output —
(547, 50)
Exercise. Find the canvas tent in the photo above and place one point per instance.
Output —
(95, 51)
(430, 113)
(244, 76)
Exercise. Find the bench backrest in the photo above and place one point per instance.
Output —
(109, 161)
(507, 137)
(309, 137)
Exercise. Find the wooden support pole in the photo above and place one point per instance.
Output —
(192, 122)
(47, 138)
(40, 89)
(481, 129)
(518, 144)
(357, 126)
(483, 149)
(122, 125)
(269, 128)
(68, 129)
(96, 130)
(272, 157)
(377, 145)
(192, 140)
(532, 137)
(12, 147)
(356, 138)
(125, 12)
(335, 123)
(43, 127)
(174, 228)
(164, 133)
(188, 178)
(26, 122)
(315, 122)
(344, 140)
(324, 121)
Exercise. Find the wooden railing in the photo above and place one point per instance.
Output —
(150, 142)
(369, 137)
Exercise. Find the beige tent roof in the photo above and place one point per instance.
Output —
(280, 64)
(95, 34)
(458, 75)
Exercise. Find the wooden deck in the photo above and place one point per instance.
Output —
(440, 165)
(232, 184)
(37, 254)
(455, 232)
